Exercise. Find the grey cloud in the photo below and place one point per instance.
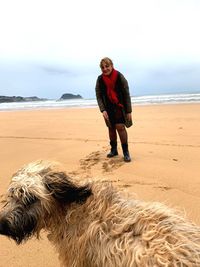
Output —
(173, 70)
(55, 70)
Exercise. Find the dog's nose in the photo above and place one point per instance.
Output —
(1, 230)
(3, 227)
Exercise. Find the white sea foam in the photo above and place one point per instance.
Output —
(85, 103)
(167, 99)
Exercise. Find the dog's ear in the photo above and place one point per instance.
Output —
(64, 190)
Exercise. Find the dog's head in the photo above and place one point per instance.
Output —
(35, 193)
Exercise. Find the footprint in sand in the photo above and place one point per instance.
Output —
(110, 165)
(99, 158)
(90, 160)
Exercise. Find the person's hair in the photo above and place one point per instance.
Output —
(107, 61)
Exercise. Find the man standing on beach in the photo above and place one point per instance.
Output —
(114, 102)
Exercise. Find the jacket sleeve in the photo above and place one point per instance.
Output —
(99, 96)
(126, 95)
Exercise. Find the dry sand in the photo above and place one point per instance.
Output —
(164, 144)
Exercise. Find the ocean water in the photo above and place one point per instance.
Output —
(88, 103)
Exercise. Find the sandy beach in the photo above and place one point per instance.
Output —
(164, 143)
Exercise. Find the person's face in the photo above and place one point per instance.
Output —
(106, 68)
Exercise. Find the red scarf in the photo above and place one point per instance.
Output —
(110, 82)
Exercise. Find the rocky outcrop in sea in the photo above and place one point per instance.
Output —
(70, 96)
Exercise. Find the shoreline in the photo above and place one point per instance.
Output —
(96, 106)
(164, 144)
(162, 99)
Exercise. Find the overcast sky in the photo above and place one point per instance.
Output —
(51, 47)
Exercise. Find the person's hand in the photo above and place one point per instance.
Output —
(105, 114)
(128, 116)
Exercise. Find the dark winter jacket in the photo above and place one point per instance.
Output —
(123, 95)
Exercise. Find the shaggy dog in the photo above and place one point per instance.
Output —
(93, 225)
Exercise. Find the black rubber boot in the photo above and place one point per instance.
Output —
(113, 151)
(127, 157)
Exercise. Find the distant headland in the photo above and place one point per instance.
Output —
(70, 96)
(10, 99)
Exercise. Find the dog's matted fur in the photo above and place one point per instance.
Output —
(92, 224)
